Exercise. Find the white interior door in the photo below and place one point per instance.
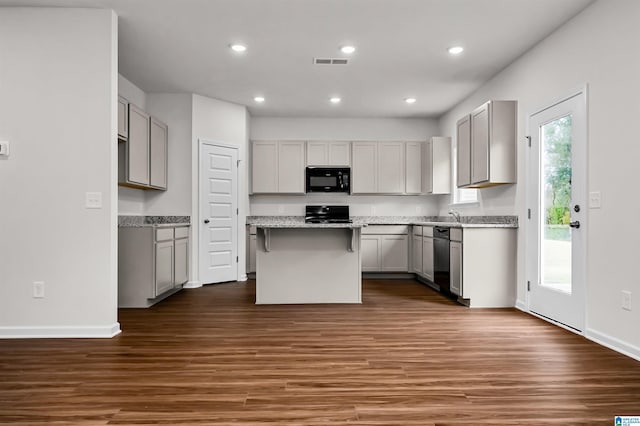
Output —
(556, 247)
(218, 228)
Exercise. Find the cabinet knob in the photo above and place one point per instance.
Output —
(206, 221)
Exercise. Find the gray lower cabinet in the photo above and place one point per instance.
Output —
(479, 277)
(385, 248)
(251, 250)
(422, 248)
(152, 264)
(455, 265)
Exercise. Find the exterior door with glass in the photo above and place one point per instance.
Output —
(556, 240)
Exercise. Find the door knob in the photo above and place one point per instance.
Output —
(575, 224)
(206, 221)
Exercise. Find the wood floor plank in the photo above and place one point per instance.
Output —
(405, 356)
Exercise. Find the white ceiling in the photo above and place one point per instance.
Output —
(183, 46)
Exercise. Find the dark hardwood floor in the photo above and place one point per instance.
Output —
(406, 356)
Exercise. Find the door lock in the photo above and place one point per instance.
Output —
(576, 208)
(575, 224)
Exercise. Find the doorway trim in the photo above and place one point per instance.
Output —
(531, 249)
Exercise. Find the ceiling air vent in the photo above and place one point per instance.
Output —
(330, 61)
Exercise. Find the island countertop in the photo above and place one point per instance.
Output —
(296, 222)
(363, 221)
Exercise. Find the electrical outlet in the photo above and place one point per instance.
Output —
(373, 210)
(594, 200)
(418, 210)
(280, 209)
(626, 300)
(38, 289)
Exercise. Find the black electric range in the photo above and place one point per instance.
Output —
(327, 214)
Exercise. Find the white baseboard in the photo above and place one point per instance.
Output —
(59, 332)
(192, 284)
(521, 305)
(613, 343)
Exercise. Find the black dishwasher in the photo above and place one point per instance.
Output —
(441, 275)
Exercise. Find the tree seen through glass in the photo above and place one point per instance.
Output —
(556, 202)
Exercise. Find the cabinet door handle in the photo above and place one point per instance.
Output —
(206, 221)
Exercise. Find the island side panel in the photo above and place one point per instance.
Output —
(308, 265)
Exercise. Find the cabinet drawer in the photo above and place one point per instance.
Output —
(456, 234)
(182, 232)
(164, 234)
(386, 230)
(417, 230)
(427, 231)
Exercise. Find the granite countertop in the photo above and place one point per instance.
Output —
(361, 221)
(153, 221)
(295, 222)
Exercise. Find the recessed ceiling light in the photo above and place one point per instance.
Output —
(259, 99)
(238, 47)
(410, 100)
(348, 49)
(456, 50)
(335, 100)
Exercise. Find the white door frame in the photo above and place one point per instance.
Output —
(196, 203)
(531, 249)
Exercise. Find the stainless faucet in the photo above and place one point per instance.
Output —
(455, 215)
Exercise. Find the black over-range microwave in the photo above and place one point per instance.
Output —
(328, 179)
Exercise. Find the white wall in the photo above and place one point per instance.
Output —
(223, 122)
(175, 111)
(356, 129)
(131, 200)
(599, 48)
(58, 109)
(350, 129)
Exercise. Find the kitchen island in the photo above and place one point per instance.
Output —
(298, 262)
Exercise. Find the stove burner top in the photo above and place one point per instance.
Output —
(327, 214)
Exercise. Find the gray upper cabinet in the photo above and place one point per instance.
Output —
(437, 166)
(463, 137)
(364, 170)
(413, 168)
(491, 134)
(277, 167)
(378, 168)
(291, 167)
(391, 167)
(264, 160)
(123, 119)
(142, 158)
(137, 162)
(325, 153)
(158, 143)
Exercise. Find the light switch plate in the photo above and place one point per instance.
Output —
(93, 200)
(594, 200)
(4, 148)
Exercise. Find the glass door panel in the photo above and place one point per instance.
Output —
(555, 186)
